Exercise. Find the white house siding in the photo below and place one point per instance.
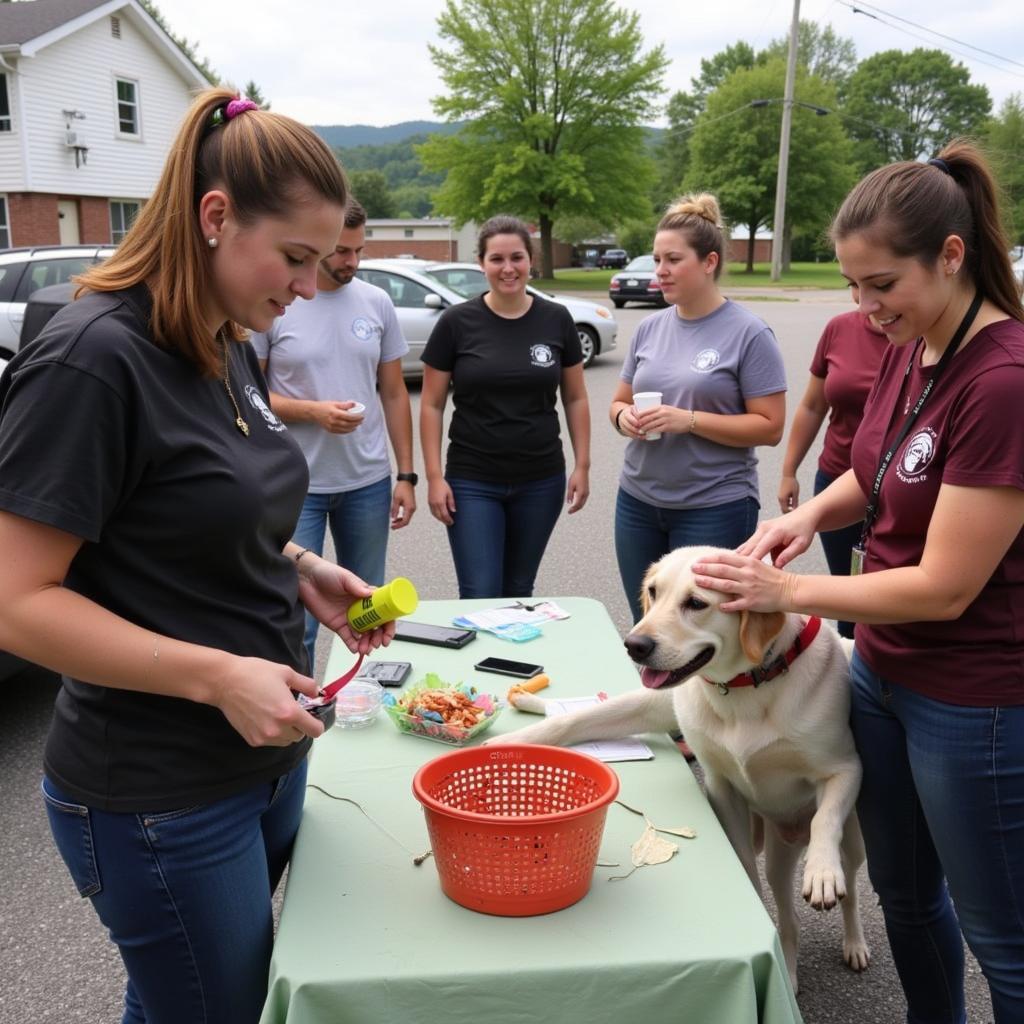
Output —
(79, 72)
(12, 175)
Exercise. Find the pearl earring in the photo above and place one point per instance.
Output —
(212, 243)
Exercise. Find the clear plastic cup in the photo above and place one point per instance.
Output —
(358, 704)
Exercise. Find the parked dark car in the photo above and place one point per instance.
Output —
(613, 258)
(636, 283)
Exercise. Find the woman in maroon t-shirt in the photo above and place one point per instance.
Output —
(937, 706)
(843, 369)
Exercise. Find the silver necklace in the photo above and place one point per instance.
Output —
(239, 422)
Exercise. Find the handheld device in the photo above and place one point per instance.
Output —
(387, 673)
(320, 708)
(505, 667)
(426, 633)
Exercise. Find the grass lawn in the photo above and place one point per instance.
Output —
(800, 275)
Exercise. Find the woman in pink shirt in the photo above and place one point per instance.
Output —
(937, 474)
(842, 371)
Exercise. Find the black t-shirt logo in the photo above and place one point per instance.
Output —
(541, 355)
(257, 402)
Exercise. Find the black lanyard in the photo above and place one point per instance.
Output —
(871, 512)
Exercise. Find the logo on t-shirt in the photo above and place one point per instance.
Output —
(916, 456)
(706, 360)
(257, 402)
(363, 329)
(541, 355)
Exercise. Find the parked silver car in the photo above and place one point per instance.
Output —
(24, 271)
(420, 289)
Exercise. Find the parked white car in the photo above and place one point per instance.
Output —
(420, 289)
(23, 271)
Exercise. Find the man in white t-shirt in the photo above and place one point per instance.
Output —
(325, 355)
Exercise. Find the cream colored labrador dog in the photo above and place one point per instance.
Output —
(763, 700)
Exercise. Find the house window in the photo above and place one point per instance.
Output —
(127, 106)
(115, 27)
(5, 106)
(408, 232)
(5, 231)
(122, 215)
(369, 232)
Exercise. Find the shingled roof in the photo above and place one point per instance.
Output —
(21, 22)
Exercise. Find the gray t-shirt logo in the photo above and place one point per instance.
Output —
(541, 355)
(362, 328)
(706, 360)
(256, 401)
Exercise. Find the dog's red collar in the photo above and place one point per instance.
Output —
(775, 667)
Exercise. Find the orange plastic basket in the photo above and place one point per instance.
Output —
(515, 829)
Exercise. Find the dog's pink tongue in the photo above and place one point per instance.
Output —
(653, 678)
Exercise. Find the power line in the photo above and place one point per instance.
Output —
(941, 35)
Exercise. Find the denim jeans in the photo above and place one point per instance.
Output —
(186, 896)
(500, 533)
(360, 521)
(942, 801)
(838, 545)
(643, 533)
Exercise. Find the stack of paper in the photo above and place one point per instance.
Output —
(629, 749)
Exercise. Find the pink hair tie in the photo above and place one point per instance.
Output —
(236, 107)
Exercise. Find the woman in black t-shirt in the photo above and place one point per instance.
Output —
(147, 500)
(507, 354)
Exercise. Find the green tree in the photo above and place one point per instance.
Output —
(554, 92)
(187, 48)
(255, 93)
(1004, 141)
(673, 151)
(735, 152)
(904, 106)
(371, 189)
(636, 236)
(819, 51)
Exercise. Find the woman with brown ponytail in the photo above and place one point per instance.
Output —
(938, 670)
(147, 502)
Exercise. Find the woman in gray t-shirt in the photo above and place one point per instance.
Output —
(722, 383)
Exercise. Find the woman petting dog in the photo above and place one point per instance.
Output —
(722, 381)
(938, 478)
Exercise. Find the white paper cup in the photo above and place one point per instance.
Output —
(643, 400)
(357, 410)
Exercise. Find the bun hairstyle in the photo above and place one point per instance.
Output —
(698, 219)
(266, 163)
(503, 224)
(911, 209)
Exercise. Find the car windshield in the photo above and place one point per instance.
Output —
(641, 263)
(468, 282)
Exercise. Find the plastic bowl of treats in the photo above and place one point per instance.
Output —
(358, 703)
(448, 713)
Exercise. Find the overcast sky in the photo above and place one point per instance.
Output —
(366, 61)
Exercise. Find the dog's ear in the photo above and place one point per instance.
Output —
(757, 631)
(645, 601)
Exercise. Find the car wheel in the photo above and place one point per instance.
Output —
(618, 303)
(588, 342)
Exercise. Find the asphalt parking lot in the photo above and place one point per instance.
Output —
(58, 966)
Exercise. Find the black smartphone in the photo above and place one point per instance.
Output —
(387, 673)
(505, 667)
(426, 633)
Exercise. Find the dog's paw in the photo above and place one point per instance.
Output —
(856, 953)
(824, 882)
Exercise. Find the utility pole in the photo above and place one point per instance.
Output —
(787, 123)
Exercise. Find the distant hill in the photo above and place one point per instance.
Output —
(348, 135)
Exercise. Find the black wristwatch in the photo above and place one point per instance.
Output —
(409, 478)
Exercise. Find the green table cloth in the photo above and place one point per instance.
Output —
(367, 937)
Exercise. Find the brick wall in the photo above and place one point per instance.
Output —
(93, 220)
(737, 252)
(424, 249)
(33, 218)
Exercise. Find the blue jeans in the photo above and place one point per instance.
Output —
(838, 544)
(942, 801)
(643, 533)
(500, 533)
(360, 521)
(186, 896)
